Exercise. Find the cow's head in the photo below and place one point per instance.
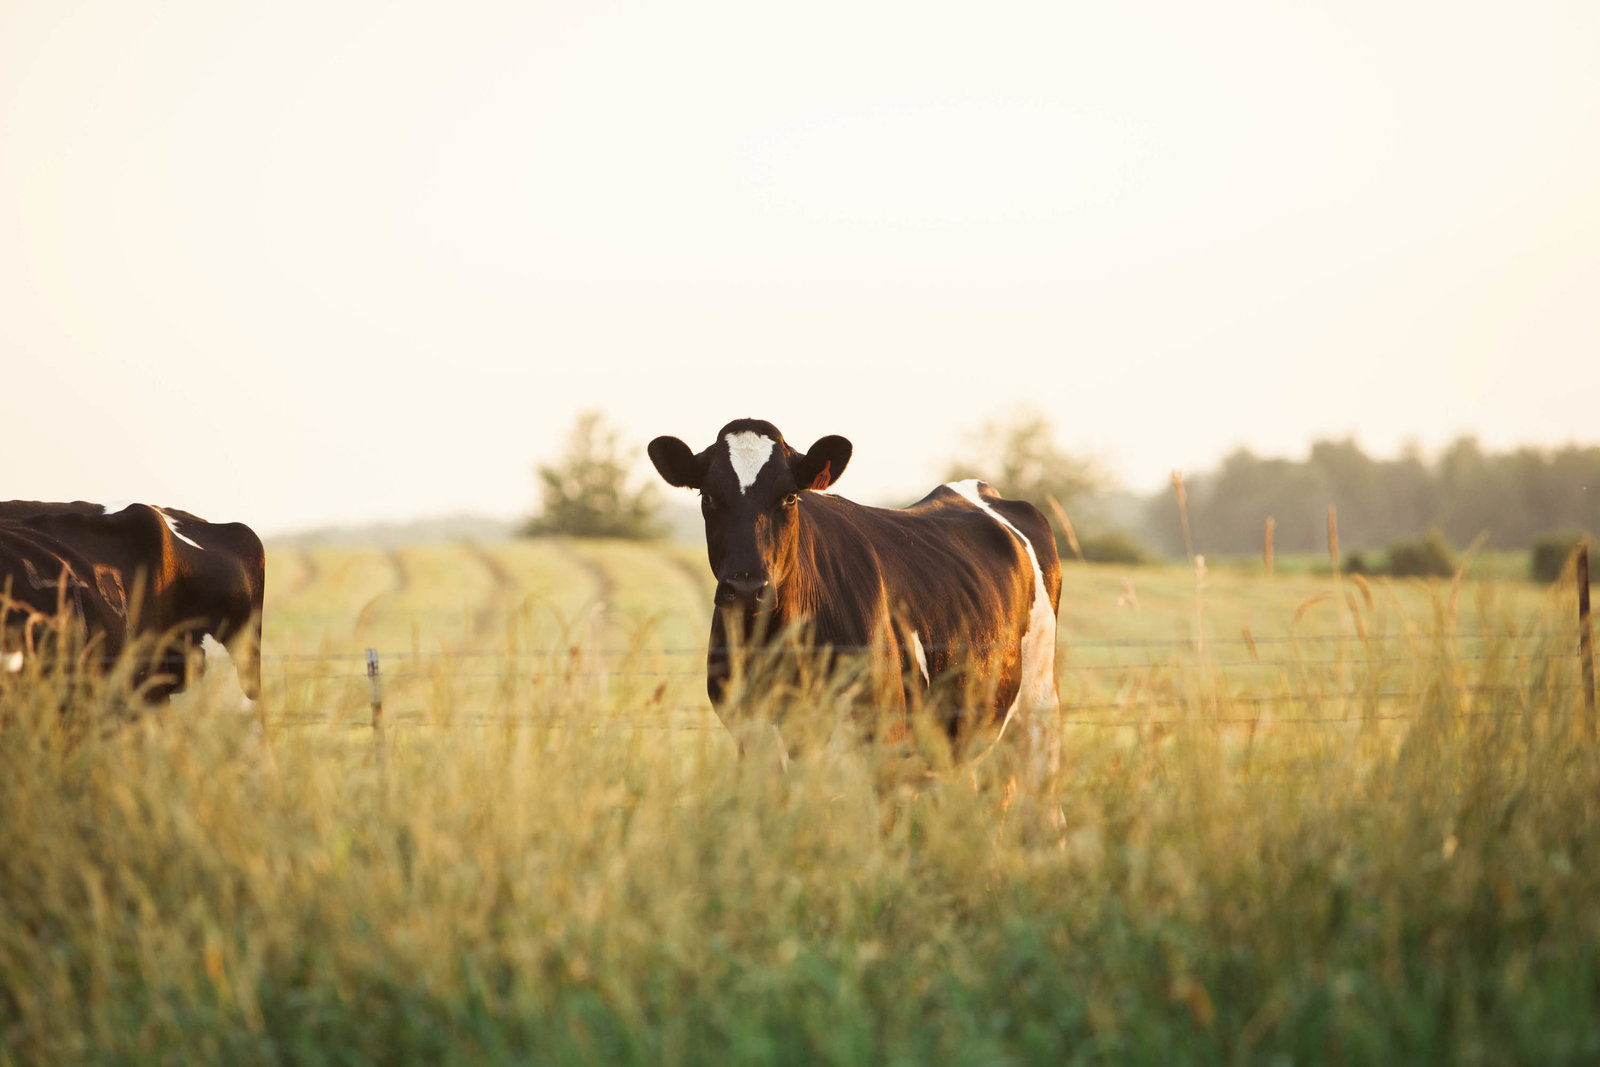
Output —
(751, 487)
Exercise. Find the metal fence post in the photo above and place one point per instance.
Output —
(376, 680)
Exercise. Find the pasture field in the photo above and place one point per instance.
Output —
(1295, 822)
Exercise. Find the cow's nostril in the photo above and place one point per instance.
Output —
(741, 586)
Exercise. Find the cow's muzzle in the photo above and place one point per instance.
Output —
(744, 588)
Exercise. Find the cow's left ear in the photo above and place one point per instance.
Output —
(677, 463)
(821, 467)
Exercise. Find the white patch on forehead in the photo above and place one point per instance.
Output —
(748, 452)
(172, 524)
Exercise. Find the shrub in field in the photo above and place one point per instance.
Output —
(586, 493)
(1431, 557)
(1549, 555)
(1115, 546)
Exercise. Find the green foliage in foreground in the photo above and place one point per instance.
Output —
(207, 887)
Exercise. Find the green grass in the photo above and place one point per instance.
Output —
(1363, 833)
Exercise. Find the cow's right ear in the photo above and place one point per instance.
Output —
(677, 463)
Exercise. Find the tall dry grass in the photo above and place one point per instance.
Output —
(1260, 864)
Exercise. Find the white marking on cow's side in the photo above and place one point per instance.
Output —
(172, 524)
(1037, 690)
(748, 452)
(218, 685)
(922, 657)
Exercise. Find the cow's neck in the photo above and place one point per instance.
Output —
(818, 587)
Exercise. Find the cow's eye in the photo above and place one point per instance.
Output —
(791, 500)
(710, 503)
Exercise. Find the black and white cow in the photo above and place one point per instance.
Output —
(964, 584)
(140, 571)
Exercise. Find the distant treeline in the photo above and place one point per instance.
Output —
(1511, 497)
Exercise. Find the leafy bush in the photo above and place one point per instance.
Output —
(1114, 546)
(586, 493)
(1431, 557)
(1549, 555)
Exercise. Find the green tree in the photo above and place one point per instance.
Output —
(586, 492)
(1476, 493)
(1019, 457)
(1351, 481)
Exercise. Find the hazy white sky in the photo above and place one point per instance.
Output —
(296, 263)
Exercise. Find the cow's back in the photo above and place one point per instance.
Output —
(969, 589)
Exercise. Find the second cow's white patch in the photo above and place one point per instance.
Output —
(748, 452)
(1038, 686)
(922, 657)
(218, 685)
(172, 524)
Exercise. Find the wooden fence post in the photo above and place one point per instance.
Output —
(1333, 538)
(376, 680)
(1586, 640)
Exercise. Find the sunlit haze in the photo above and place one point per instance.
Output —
(306, 263)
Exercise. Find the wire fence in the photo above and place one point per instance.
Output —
(611, 662)
(1358, 704)
(706, 721)
(1146, 668)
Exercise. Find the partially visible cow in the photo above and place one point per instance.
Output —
(963, 584)
(141, 571)
(46, 586)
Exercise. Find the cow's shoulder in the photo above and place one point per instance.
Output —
(1028, 519)
(234, 538)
